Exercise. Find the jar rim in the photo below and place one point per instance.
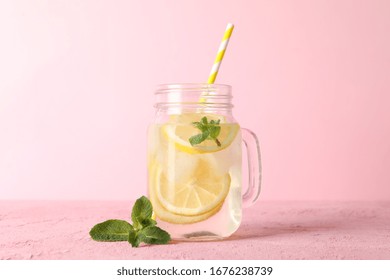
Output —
(192, 96)
(222, 89)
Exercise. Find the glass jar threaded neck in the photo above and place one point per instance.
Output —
(178, 98)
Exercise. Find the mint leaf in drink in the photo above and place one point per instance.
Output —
(144, 228)
(215, 122)
(210, 130)
(199, 138)
(141, 214)
(111, 230)
(214, 132)
(154, 235)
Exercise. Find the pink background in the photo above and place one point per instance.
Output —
(311, 78)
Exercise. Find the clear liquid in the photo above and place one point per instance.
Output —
(172, 164)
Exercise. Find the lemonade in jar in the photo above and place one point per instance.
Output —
(195, 161)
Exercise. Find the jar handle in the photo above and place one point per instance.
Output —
(251, 142)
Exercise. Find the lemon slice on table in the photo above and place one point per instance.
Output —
(180, 129)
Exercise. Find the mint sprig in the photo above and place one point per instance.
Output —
(144, 228)
(209, 131)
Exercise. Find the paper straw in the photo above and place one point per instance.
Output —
(221, 53)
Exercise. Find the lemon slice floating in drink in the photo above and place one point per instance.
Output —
(190, 201)
(198, 193)
(172, 218)
(179, 131)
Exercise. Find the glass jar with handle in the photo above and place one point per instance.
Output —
(195, 162)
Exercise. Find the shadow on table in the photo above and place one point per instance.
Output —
(255, 231)
(262, 231)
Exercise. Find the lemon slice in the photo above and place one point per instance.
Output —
(200, 191)
(180, 129)
(164, 214)
(172, 218)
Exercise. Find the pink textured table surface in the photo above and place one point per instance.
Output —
(270, 230)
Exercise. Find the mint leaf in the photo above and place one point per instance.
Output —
(199, 126)
(154, 235)
(149, 235)
(148, 223)
(111, 230)
(141, 214)
(134, 239)
(214, 131)
(199, 138)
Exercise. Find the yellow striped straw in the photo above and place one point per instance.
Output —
(221, 53)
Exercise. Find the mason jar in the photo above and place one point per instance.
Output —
(194, 162)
